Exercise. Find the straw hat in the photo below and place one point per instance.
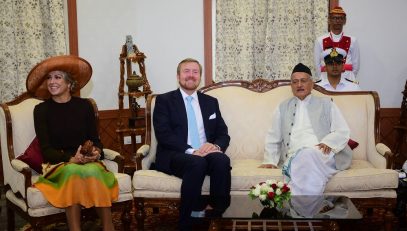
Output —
(79, 69)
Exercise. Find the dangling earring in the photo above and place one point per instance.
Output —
(72, 87)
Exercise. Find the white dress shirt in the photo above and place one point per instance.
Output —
(343, 85)
(198, 116)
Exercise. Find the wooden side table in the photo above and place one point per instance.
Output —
(132, 125)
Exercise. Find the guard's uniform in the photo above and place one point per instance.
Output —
(345, 42)
(344, 85)
(348, 43)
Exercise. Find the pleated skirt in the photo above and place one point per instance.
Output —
(90, 185)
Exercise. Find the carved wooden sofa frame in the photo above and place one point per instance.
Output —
(237, 99)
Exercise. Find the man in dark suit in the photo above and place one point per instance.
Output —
(192, 138)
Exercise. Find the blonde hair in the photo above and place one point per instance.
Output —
(189, 60)
(68, 78)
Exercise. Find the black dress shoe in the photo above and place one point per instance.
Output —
(213, 213)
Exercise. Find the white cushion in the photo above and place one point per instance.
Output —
(245, 173)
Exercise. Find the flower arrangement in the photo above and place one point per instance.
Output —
(271, 193)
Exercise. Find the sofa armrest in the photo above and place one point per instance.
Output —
(382, 149)
(142, 152)
(115, 157)
(19, 165)
(21, 177)
(385, 151)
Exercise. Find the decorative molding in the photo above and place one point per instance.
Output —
(333, 3)
(207, 7)
(262, 85)
(72, 27)
(257, 85)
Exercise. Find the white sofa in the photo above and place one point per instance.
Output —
(17, 132)
(247, 108)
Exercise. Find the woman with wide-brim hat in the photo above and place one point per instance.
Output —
(62, 123)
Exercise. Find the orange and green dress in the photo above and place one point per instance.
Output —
(61, 128)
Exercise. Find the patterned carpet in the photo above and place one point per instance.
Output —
(164, 220)
(167, 220)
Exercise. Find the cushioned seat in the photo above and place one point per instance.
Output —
(245, 172)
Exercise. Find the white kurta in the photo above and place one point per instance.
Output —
(353, 56)
(343, 85)
(306, 166)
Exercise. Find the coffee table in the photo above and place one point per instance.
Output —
(300, 213)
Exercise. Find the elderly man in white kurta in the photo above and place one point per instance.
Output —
(308, 138)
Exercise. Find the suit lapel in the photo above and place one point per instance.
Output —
(204, 110)
(179, 108)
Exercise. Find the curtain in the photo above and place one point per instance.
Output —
(30, 31)
(266, 38)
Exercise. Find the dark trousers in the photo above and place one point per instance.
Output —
(192, 170)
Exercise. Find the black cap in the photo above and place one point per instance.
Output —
(301, 68)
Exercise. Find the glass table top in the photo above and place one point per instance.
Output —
(297, 208)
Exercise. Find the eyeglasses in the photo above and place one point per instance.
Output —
(337, 18)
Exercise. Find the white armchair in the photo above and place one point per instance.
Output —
(17, 132)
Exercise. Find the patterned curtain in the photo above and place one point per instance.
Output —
(266, 38)
(30, 31)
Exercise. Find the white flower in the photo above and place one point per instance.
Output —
(256, 191)
(263, 197)
(264, 188)
(280, 184)
(270, 182)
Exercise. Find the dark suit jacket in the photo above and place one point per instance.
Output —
(171, 126)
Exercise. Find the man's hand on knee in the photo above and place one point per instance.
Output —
(324, 148)
(207, 148)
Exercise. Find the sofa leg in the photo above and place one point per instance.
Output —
(10, 220)
(36, 227)
(125, 217)
(388, 220)
(140, 213)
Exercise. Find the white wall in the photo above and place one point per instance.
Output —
(168, 31)
(379, 27)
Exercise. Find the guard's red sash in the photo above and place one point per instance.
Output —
(344, 43)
